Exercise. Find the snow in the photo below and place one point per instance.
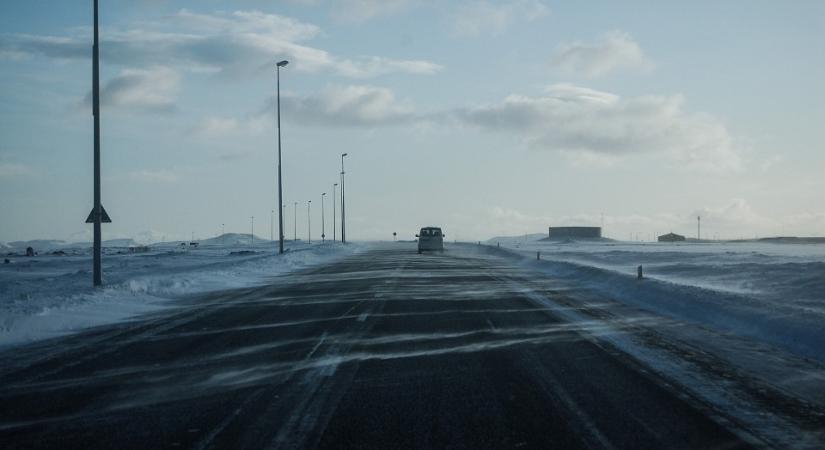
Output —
(50, 294)
(769, 292)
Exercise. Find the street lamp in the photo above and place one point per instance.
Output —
(295, 224)
(335, 185)
(343, 204)
(323, 236)
(309, 223)
(280, 182)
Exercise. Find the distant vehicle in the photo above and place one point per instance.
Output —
(430, 239)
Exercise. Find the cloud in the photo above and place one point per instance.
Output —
(337, 106)
(737, 214)
(154, 176)
(230, 127)
(359, 11)
(585, 125)
(582, 122)
(9, 170)
(153, 90)
(373, 66)
(614, 51)
(354, 105)
(211, 127)
(237, 44)
(244, 22)
(485, 18)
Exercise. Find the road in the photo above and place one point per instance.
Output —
(384, 349)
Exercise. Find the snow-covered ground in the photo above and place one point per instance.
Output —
(51, 294)
(773, 293)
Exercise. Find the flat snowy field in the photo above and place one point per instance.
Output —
(769, 292)
(51, 294)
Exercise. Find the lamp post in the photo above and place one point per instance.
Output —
(309, 223)
(335, 185)
(280, 183)
(343, 204)
(98, 215)
(295, 219)
(323, 236)
(98, 276)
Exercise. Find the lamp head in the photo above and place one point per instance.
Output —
(282, 63)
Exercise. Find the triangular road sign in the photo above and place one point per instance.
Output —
(104, 218)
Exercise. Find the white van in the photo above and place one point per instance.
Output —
(430, 239)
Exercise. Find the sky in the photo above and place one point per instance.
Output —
(483, 117)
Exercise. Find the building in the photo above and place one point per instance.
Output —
(575, 232)
(671, 237)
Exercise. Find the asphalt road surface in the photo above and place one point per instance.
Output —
(384, 349)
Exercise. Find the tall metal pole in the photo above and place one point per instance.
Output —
(323, 235)
(698, 228)
(280, 182)
(295, 225)
(335, 185)
(309, 223)
(343, 204)
(98, 275)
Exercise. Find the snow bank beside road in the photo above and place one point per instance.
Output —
(771, 293)
(50, 295)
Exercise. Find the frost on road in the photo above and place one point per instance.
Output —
(478, 347)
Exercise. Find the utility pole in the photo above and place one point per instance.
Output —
(323, 236)
(309, 223)
(335, 185)
(98, 214)
(280, 183)
(343, 204)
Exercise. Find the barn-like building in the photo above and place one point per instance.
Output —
(671, 237)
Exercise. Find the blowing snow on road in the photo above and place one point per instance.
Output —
(388, 348)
